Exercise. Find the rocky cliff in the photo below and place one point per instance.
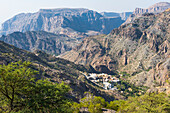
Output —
(41, 40)
(155, 9)
(71, 22)
(140, 48)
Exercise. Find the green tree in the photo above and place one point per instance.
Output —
(14, 78)
(93, 103)
(46, 96)
(96, 104)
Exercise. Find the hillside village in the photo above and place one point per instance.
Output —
(104, 80)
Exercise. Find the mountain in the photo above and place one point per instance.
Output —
(155, 9)
(123, 15)
(71, 22)
(140, 48)
(56, 70)
(41, 40)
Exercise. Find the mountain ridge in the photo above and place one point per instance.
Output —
(40, 40)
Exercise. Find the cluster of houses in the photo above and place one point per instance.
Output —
(106, 80)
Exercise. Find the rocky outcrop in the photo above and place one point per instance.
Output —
(140, 48)
(71, 22)
(154, 9)
(41, 40)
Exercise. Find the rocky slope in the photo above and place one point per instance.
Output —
(140, 48)
(41, 40)
(155, 9)
(71, 22)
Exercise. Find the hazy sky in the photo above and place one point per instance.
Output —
(9, 8)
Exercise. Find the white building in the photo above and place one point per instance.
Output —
(107, 85)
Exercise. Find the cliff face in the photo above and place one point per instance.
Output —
(140, 48)
(155, 9)
(71, 22)
(41, 40)
(123, 15)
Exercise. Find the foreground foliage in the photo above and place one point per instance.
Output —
(20, 92)
(148, 103)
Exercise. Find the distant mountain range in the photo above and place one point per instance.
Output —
(56, 31)
(78, 22)
(71, 22)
